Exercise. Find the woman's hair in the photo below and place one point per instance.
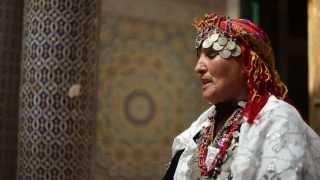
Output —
(256, 56)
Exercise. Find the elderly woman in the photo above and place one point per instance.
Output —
(250, 131)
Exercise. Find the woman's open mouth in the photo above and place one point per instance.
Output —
(205, 82)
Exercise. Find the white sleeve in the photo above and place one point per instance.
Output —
(279, 147)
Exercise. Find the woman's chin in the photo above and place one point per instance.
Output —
(209, 98)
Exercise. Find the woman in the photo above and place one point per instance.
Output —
(250, 131)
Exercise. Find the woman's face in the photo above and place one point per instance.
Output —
(222, 79)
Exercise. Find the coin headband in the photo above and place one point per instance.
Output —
(226, 46)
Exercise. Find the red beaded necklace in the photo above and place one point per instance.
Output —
(223, 145)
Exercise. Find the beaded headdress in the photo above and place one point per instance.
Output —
(240, 38)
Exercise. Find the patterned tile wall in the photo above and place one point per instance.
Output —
(148, 92)
(10, 48)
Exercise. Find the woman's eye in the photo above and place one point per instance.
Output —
(212, 55)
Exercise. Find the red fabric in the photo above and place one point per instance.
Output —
(257, 57)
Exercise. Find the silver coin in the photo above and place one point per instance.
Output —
(207, 43)
(216, 46)
(214, 37)
(222, 40)
(231, 45)
(225, 54)
(236, 52)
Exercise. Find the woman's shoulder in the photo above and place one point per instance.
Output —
(280, 113)
(279, 135)
(280, 107)
(280, 120)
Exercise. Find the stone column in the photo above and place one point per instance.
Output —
(10, 49)
(314, 63)
(57, 96)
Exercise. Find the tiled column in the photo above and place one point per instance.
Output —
(10, 48)
(57, 96)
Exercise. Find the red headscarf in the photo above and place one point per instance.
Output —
(256, 55)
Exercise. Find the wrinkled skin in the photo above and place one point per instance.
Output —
(222, 79)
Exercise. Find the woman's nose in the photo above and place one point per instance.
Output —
(200, 67)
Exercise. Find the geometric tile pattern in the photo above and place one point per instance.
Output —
(148, 93)
(56, 128)
(10, 50)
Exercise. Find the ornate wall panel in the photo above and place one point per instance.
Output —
(314, 63)
(10, 48)
(148, 92)
(57, 98)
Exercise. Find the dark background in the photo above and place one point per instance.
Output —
(286, 24)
